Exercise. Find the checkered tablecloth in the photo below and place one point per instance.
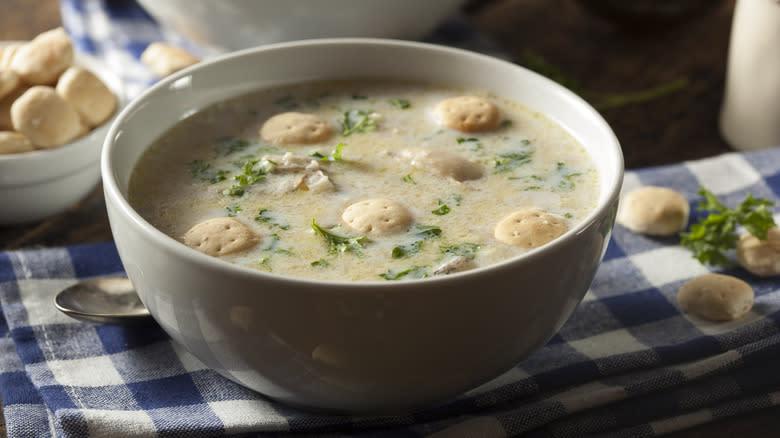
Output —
(627, 363)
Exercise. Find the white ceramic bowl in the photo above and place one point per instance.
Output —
(42, 183)
(357, 347)
(239, 24)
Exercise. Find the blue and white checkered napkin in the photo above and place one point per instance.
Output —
(627, 363)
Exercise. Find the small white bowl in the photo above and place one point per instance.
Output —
(356, 346)
(39, 184)
(239, 24)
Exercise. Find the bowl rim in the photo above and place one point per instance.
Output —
(112, 191)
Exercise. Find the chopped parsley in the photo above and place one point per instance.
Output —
(265, 263)
(442, 210)
(334, 156)
(205, 172)
(465, 249)
(420, 233)
(508, 161)
(233, 209)
(270, 217)
(340, 244)
(506, 123)
(248, 176)
(274, 246)
(565, 176)
(321, 263)
(413, 272)
(400, 103)
(408, 179)
(355, 121)
(228, 145)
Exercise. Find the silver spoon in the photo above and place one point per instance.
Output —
(102, 301)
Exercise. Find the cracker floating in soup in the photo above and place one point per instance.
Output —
(294, 127)
(468, 114)
(388, 194)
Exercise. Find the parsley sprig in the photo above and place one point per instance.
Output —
(333, 156)
(713, 236)
(356, 120)
(340, 244)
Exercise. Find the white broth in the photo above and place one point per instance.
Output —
(216, 164)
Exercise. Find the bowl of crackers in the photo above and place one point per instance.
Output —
(55, 108)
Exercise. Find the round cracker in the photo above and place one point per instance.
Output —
(717, 297)
(220, 236)
(14, 143)
(760, 257)
(295, 128)
(6, 124)
(42, 60)
(529, 228)
(377, 217)
(45, 117)
(468, 114)
(657, 211)
(8, 82)
(91, 98)
(164, 59)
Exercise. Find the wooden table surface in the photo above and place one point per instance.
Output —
(561, 36)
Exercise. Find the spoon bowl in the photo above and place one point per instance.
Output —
(102, 301)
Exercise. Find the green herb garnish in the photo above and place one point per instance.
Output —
(565, 176)
(442, 210)
(205, 172)
(233, 209)
(713, 236)
(333, 156)
(249, 175)
(321, 263)
(400, 103)
(356, 120)
(408, 179)
(270, 217)
(340, 244)
(463, 249)
(508, 161)
(413, 272)
(273, 246)
(420, 233)
(265, 263)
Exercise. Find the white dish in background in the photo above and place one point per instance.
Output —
(39, 184)
(238, 24)
(367, 347)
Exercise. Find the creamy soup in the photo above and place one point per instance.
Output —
(376, 141)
